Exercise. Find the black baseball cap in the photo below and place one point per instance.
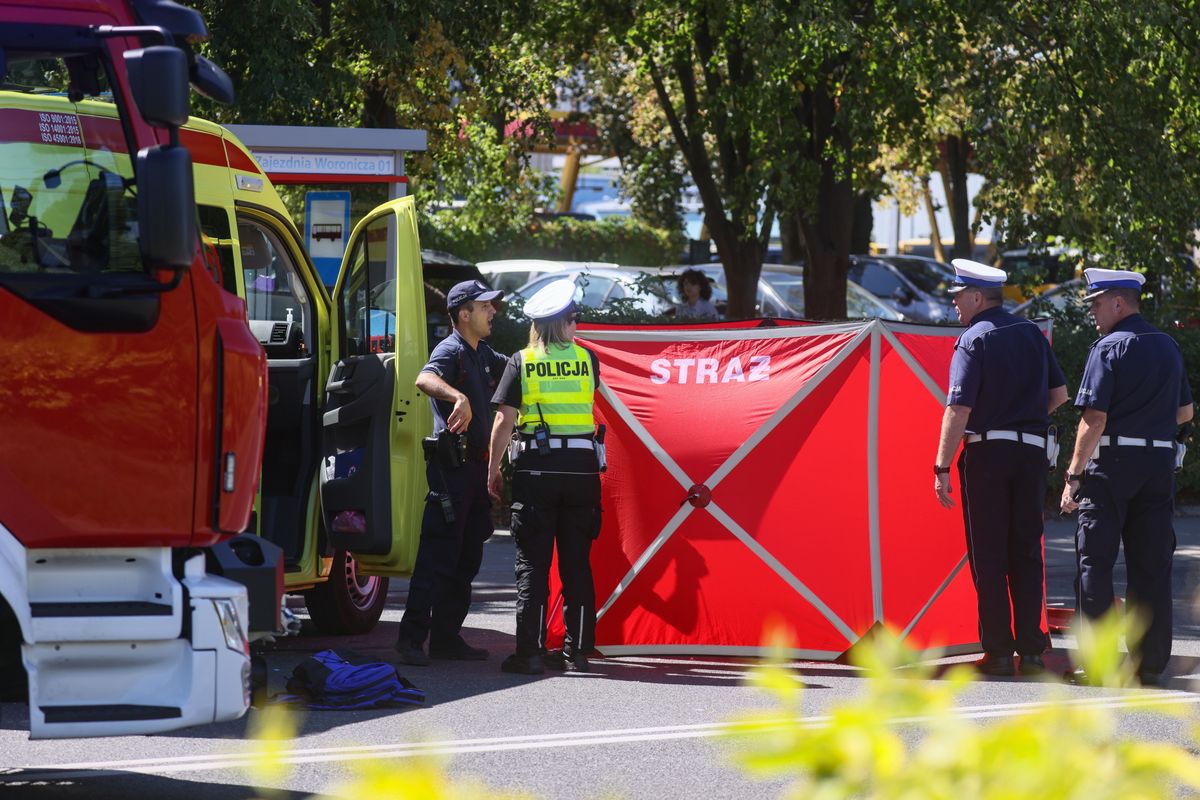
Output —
(465, 292)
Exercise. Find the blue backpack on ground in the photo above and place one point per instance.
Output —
(329, 680)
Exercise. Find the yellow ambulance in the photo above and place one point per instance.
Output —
(343, 480)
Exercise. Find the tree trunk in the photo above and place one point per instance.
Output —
(791, 239)
(742, 259)
(864, 222)
(827, 236)
(935, 234)
(378, 110)
(956, 195)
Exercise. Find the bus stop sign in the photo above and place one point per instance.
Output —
(326, 229)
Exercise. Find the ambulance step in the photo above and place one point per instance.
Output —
(105, 609)
(56, 715)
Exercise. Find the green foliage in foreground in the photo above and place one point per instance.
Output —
(905, 739)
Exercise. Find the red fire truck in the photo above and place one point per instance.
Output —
(133, 405)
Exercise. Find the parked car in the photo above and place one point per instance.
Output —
(768, 302)
(780, 292)
(1037, 271)
(600, 284)
(1057, 297)
(788, 283)
(913, 285)
(508, 275)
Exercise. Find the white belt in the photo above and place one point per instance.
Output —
(1132, 441)
(1011, 436)
(570, 444)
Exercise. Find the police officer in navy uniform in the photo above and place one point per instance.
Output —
(547, 392)
(459, 378)
(1134, 393)
(1004, 382)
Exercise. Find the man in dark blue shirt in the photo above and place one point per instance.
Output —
(1134, 394)
(1004, 382)
(459, 378)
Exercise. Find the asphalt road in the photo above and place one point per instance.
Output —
(637, 727)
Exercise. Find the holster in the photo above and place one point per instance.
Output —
(446, 450)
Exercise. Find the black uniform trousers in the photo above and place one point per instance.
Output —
(1003, 492)
(556, 506)
(449, 555)
(1127, 495)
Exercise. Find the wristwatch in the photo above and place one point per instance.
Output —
(1074, 476)
(940, 470)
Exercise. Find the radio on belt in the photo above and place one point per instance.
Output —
(541, 434)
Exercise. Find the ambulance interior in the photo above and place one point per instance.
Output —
(278, 310)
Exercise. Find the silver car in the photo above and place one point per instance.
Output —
(780, 292)
(599, 286)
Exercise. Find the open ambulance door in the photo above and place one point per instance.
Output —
(372, 475)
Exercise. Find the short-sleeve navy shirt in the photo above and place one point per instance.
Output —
(1135, 375)
(472, 371)
(1003, 370)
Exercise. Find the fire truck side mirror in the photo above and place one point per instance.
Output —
(166, 200)
(158, 78)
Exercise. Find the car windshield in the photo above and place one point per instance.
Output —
(928, 276)
(788, 286)
(861, 303)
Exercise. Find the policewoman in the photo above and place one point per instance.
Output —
(547, 393)
(1134, 394)
(459, 378)
(1004, 382)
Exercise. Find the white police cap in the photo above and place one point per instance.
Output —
(970, 274)
(551, 300)
(1101, 280)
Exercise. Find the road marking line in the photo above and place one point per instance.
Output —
(223, 761)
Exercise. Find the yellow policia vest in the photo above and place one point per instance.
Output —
(561, 382)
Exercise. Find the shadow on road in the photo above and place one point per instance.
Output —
(116, 785)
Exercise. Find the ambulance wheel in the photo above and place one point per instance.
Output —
(347, 603)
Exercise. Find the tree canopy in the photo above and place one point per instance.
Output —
(1082, 118)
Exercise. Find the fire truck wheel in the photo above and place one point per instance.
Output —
(14, 684)
(347, 603)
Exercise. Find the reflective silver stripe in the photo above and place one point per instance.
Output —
(1008, 436)
(1132, 441)
(570, 444)
(873, 480)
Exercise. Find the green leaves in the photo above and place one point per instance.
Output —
(908, 736)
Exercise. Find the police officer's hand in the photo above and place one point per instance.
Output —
(941, 485)
(495, 484)
(1068, 504)
(460, 417)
